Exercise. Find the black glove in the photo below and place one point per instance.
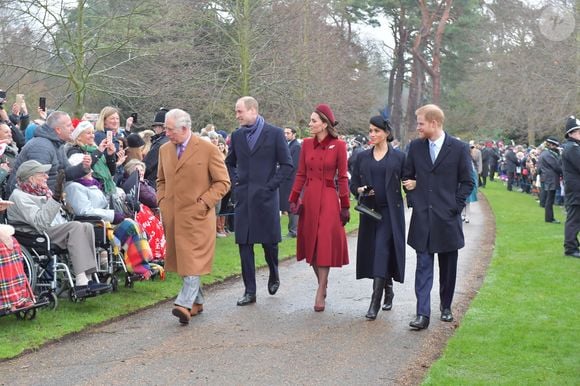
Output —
(59, 187)
(344, 216)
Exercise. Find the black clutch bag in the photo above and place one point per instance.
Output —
(362, 208)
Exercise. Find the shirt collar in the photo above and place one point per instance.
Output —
(439, 141)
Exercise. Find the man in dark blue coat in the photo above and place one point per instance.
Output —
(260, 156)
(571, 168)
(286, 186)
(437, 177)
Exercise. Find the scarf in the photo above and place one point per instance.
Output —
(101, 170)
(89, 181)
(253, 131)
(34, 189)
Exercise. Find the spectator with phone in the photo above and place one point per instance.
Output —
(17, 135)
(376, 176)
(109, 121)
(103, 156)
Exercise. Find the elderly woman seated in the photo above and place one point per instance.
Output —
(86, 198)
(36, 209)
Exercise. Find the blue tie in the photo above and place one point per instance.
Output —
(432, 147)
(252, 138)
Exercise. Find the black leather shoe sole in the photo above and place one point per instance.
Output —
(573, 254)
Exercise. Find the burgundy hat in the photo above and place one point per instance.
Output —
(325, 110)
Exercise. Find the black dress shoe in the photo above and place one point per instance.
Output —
(273, 284)
(553, 222)
(573, 254)
(446, 315)
(247, 299)
(420, 323)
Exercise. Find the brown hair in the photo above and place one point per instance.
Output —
(330, 127)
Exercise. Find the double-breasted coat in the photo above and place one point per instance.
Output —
(361, 176)
(321, 237)
(257, 175)
(286, 186)
(189, 226)
(439, 196)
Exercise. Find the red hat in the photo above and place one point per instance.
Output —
(75, 122)
(325, 110)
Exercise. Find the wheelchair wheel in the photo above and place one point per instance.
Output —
(74, 298)
(29, 267)
(114, 283)
(49, 297)
(29, 314)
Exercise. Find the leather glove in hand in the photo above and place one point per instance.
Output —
(294, 208)
(59, 186)
(344, 216)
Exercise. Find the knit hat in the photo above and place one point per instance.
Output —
(552, 141)
(325, 110)
(572, 124)
(160, 117)
(135, 140)
(82, 126)
(29, 168)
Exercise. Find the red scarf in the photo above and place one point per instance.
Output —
(34, 189)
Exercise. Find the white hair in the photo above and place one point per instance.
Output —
(181, 118)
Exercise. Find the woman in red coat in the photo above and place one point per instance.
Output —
(324, 212)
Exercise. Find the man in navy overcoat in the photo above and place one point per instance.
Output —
(437, 177)
(260, 157)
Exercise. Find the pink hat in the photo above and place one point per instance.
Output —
(325, 110)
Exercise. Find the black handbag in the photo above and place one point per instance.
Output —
(362, 208)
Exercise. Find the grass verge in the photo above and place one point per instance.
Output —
(522, 328)
(17, 336)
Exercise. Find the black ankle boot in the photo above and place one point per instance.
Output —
(378, 285)
(389, 295)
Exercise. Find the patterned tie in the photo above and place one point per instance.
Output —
(432, 147)
(180, 150)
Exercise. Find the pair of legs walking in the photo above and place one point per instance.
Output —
(424, 284)
(190, 299)
(249, 270)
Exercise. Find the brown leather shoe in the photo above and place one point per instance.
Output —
(182, 313)
(196, 309)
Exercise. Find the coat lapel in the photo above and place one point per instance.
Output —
(444, 152)
(389, 168)
(188, 153)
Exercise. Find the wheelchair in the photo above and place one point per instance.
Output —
(47, 269)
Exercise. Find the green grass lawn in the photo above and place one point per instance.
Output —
(17, 336)
(523, 328)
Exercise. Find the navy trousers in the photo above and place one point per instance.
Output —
(424, 280)
(249, 268)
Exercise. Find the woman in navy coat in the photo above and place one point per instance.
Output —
(376, 176)
(323, 163)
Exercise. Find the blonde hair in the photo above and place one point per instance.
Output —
(132, 165)
(431, 112)
(105, 113)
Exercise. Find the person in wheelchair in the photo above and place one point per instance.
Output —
(37, 209)
(85, 197)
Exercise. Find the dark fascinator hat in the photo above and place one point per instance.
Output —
(383, 124)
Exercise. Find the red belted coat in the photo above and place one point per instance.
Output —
(321, 236)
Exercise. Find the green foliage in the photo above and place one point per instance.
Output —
(18, 336)
(522, 328)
